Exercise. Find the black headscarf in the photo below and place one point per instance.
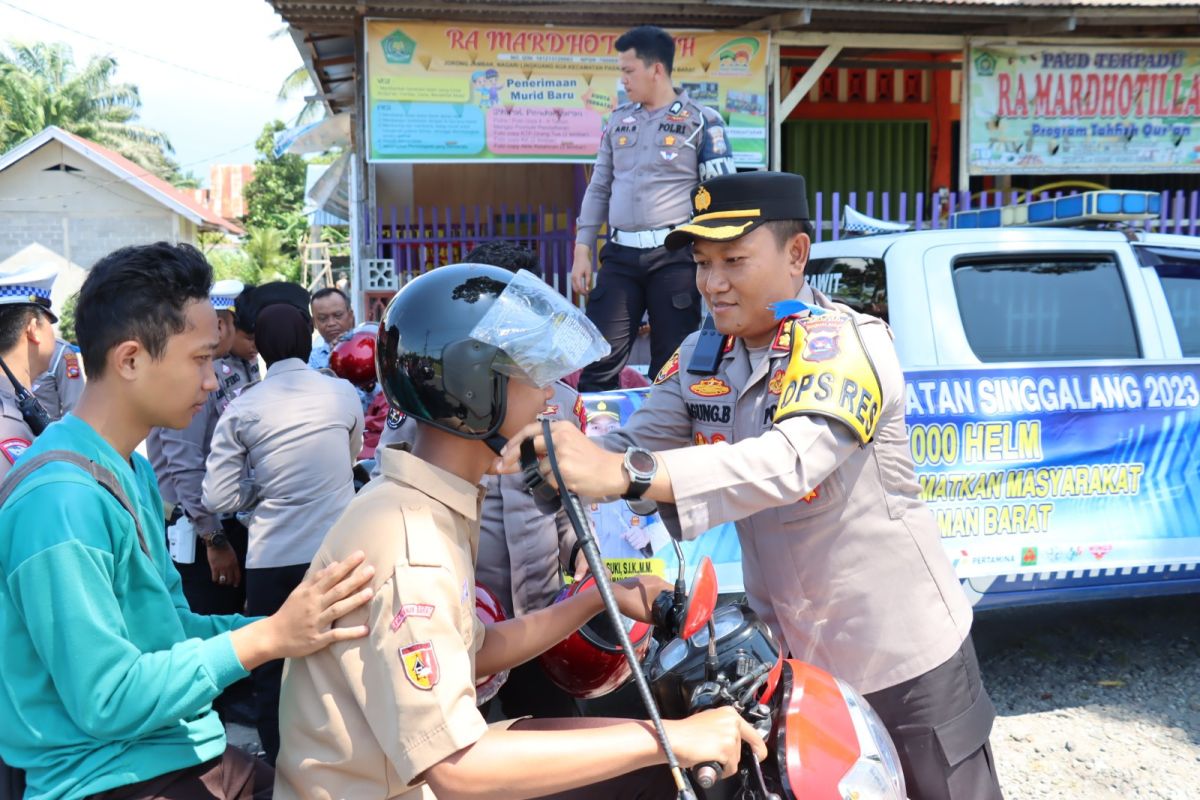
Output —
(282, 331)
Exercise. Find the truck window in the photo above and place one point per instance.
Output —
(857, 282)
(1045, 308)
(1179, 273)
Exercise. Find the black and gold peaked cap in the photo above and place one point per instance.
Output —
(729, 206)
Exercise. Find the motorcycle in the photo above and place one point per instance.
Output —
(824, 740)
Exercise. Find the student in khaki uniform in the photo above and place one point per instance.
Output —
(396, 715)
(26, 346)
(799, 411)
(59, 387)
(523, 551)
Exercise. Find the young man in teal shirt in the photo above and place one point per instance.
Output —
(108, 676)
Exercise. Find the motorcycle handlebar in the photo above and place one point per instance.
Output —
(707, 774)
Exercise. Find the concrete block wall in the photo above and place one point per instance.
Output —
(84, 239)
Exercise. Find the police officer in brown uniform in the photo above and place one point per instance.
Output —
(396, 716)
(654, 151)
(797, 405)
(26, 346)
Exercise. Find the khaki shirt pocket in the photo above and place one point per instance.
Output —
(624, 145)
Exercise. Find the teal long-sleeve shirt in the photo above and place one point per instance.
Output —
(106, 676)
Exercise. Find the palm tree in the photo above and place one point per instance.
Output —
(40, 86)
(298, 81)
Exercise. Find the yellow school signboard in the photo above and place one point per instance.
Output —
(473, 92)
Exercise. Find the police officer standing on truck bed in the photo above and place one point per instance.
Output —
(799, 404)
(655, 150)
(26, 345)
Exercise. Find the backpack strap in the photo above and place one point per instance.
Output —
(102, 476)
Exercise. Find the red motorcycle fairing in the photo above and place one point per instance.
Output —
(815, 741)
(589, 663)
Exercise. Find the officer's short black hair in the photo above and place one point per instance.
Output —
(13, 321)
(138, 293)
(508, 255)
(652, 45)
(785, 229)
(320, 294)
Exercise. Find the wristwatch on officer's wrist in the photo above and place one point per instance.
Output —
(641, 466)
(216, 540)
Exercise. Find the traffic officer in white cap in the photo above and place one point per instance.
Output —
(26, 346)
(212, 558)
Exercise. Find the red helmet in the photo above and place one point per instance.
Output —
(489, 611)
(589, 663)
(354, 359)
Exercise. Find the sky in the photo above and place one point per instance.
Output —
(209, 119)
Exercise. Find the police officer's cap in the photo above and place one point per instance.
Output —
(29, 285)
(730, 206)
(224, 294)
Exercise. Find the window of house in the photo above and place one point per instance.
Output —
(1045, 308)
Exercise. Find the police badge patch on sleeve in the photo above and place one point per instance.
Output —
(13, 448)
(829, 374)
(395, 418)
(71, 363)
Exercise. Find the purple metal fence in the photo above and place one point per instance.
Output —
(418, 239)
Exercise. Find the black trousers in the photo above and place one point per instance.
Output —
(630, 283)
(940, 723)
(266, 589)
(204, 596)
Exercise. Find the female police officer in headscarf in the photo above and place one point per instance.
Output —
(284, 450)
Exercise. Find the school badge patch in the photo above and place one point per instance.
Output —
(668, 369)
(395, 418)
(421, 665)
(71, 362)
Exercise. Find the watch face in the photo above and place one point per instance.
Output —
(641, 461)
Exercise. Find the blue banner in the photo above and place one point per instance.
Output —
(1028, 469)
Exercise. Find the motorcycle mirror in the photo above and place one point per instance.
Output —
(702, 600)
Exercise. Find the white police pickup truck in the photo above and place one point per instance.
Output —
(1052, 399)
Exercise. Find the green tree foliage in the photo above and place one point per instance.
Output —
(275, 198)
(265, 248)
(66, 320)
(40, 85)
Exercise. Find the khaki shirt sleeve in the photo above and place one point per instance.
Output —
(417, 687)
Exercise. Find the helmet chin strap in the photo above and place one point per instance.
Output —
(496, 442)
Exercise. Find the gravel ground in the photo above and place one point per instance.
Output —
(1096, 701)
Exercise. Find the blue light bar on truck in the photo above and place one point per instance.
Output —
(1077, 209)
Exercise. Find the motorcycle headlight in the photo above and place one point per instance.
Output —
(877, 774)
